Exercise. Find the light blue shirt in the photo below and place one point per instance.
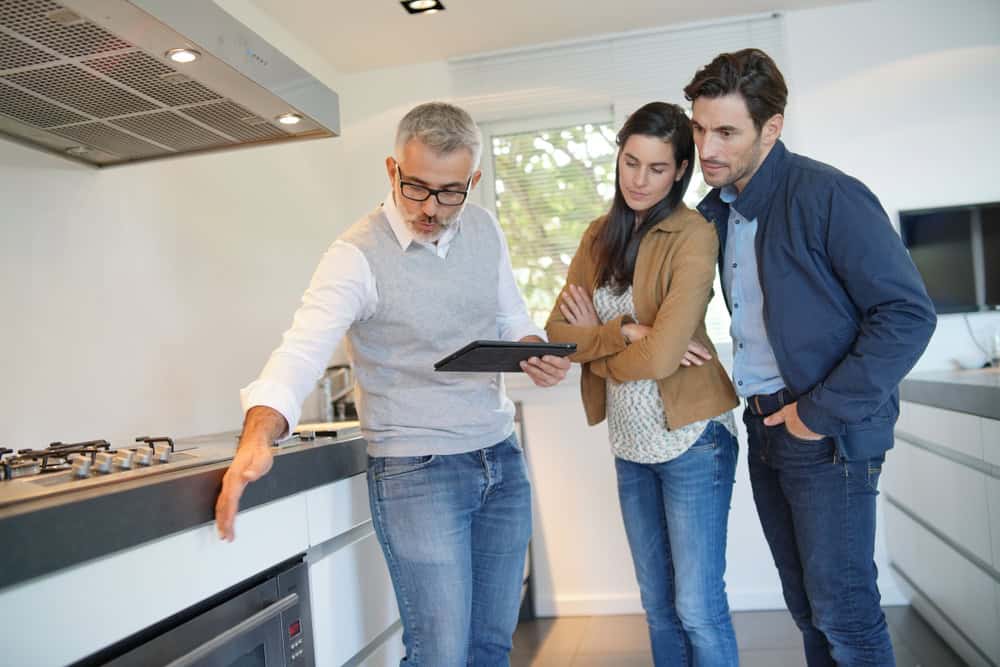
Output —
(755, 370)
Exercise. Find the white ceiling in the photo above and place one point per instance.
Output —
(359, 35)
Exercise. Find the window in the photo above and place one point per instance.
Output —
(546, 186)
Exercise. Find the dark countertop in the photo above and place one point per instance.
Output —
(975, 392)
(48, 534)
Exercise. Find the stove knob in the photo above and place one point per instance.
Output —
(123, 458)
(161, 452)
(102, 462)
(143, 456)
(81, 465)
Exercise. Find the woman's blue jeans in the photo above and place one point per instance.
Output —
(454, 530)
(675, 517)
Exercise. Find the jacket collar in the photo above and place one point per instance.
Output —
(675, 221)
(756, 196)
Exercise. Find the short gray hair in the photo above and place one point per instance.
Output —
(442, 127)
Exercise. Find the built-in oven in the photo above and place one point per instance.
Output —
(263, 623)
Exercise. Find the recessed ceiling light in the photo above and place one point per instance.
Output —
(422, 6)
(183, 55)
(289, 118)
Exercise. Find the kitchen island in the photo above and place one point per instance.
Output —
(942, 487)
(85, 572)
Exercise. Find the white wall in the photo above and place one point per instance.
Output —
(139, 299)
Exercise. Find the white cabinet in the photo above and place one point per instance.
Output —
(353, 604)
(72, 613)
(948, 495)
(352, 599)
(943, 524)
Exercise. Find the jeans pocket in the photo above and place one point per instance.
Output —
(874, 472)
(798, 452)
(803, 441)
(708, 439)
(391, 467)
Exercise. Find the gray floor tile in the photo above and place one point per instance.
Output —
(921, 641)
(551, 660)
(772, 658)
(766, 639)
(614, 660)
(617, 635)
(766, 630)
(550, 637)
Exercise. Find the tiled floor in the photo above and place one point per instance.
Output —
(766, 639)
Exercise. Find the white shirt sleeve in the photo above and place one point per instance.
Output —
(513, 320)
(341, 292)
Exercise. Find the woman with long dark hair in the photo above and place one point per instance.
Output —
(635, 296)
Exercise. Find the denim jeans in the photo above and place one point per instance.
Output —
(675, 517)
(818, 515)
(454, 530)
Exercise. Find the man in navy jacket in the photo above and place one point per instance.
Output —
(829, 313)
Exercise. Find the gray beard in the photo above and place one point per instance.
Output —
(441, 225)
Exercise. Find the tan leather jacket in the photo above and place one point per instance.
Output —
(671, 288)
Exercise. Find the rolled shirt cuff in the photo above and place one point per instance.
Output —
(275, 396)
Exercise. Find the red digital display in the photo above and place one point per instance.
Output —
(295, 628)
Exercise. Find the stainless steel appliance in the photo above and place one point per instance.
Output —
(29, 474)
(264, 622)
(108, 82)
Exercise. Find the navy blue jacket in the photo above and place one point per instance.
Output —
(845, 309)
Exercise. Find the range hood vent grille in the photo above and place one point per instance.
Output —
(38, 21)
(70, 85)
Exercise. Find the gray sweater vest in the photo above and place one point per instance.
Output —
(428, 307)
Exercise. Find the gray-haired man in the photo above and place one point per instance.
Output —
(410, 282)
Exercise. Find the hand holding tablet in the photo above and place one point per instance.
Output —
(499, 356)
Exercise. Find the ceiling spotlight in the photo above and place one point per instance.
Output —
(183, 55)
(422, 6)
(289, 118)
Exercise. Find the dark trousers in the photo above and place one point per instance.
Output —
(818, 515)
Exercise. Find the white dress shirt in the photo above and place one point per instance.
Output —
(343, 291)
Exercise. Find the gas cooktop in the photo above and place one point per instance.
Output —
(28, 474)
(61, 467)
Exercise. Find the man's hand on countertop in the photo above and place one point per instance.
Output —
(253, 460)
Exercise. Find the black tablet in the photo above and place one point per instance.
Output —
(499, 356)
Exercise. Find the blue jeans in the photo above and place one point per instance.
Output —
(454, 530)
(675, 517)
(818, 514)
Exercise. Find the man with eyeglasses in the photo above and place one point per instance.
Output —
(417, 278)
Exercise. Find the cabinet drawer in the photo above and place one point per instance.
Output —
(352, 599)
(955, 430)
(949, 496)
(337, 507)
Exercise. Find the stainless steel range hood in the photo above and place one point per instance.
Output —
(91, 80)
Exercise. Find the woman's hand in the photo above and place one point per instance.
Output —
(635, 332)
(577, 307)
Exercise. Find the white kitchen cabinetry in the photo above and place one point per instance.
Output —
(65, 616)
(354, 612)
(942, 486)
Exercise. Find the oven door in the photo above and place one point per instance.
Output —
(257, 641)
(266, 626)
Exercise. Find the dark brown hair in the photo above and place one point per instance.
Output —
(617, 244)
(749, 72)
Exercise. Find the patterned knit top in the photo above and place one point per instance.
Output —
(637, 423)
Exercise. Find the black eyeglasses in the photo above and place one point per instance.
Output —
(416, 192)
